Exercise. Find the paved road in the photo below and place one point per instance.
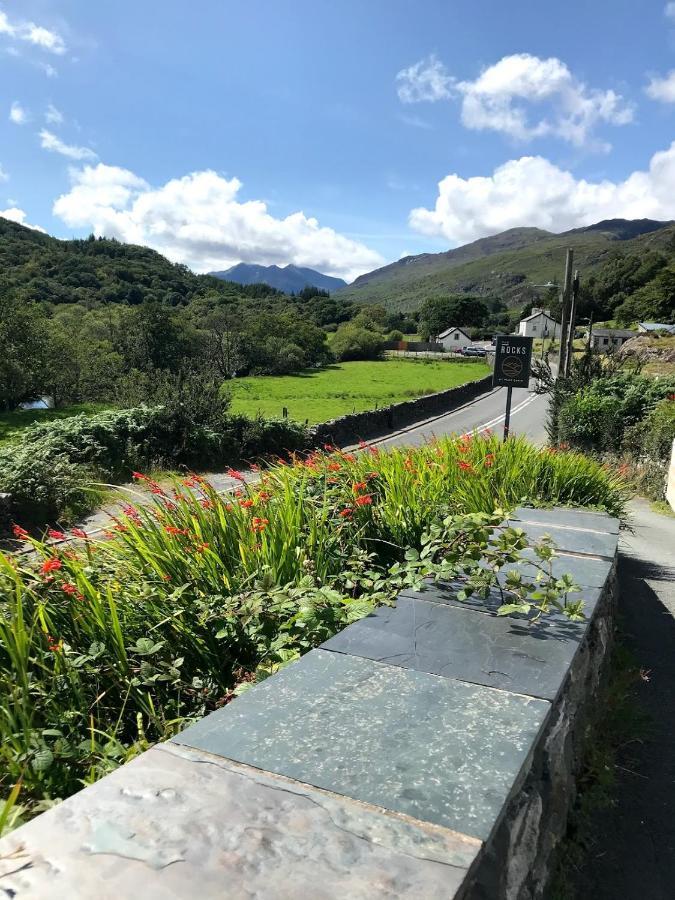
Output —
(528, 417)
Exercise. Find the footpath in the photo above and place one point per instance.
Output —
(633, 852)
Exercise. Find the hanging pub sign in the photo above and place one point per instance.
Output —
(513, 356)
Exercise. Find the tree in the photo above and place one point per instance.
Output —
(462, 310)
(352, 342)
(23, 351)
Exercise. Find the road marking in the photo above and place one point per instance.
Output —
(500, 418)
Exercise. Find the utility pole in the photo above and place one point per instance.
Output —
(564, 316)
(573, 318)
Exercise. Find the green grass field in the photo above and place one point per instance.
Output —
(347, 387)
(12, 423)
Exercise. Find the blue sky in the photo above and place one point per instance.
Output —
(336, 135)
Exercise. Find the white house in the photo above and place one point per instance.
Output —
(538, 324)
(454, 339)
(606, 339)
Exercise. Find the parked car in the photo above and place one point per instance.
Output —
(474, 351)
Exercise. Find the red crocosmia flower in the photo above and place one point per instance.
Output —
(349, 457)
(329, 447)
(563, 446)
(138, 476)
(255, 467)
(19, 532)
(364, 500)
(489, 460)
(334, 467)
(200, 548)
(332, 480)
(408, 463)
(173, 530)
(234, 473)
(80, 533)
(56, 535)
(166, 577)
(247, 504)
(258, 525)
(72, 590)
(264, 496)
(671, 396)
(374, 451)
(359, 486)
(50, 565)
(370, 475)
(53, 645)
(466, 467)
(363, 445)
(206, 503)
(345, 513)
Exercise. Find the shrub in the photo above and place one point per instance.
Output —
(351, 343)
(49, 471)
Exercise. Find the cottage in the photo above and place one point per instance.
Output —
(607, 339)
(538, 324)
(454, 339)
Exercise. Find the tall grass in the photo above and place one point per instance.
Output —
(107, 646)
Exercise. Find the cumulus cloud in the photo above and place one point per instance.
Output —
(533, 191)
(662, 89)
(37, 35)
(199, 220)
(49, 141)
(14, 214)
(427, 80)
(53, 116)
(522, 96)
(17, 114)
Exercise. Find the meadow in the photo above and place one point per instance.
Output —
(323, 394)
(109, 645)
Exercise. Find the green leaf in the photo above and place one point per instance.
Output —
(42, 760)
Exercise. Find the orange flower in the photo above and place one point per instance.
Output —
(19, 532)
(489, 460)
(206, 503)
(71, 589)
(50, 565)
(364, 500)
(359, 486)
(466, 467)
(80, 533)
(334, 467)
(247, 504)
(53, 645)
(56, 535)
(258, 524)
(345, 513)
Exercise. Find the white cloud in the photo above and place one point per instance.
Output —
(18, 114)
(53, 116)
(662, 88)
(533, 191)
(669, 11)
(18, 215)
(49, 70)
(49, 141)
(37, 35)
(3, 175)
(522, 96)
(198, 220)
(427, 80)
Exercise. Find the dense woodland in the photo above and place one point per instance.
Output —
(97, 320)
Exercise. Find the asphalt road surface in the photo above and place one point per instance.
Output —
(528, 417)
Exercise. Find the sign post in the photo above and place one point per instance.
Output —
(513, 358)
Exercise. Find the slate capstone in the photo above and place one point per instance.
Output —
(500, 652)
(437, 749)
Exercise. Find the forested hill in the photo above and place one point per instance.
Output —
(38, 267)
(616, 257)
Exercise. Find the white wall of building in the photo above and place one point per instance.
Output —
(455, 340)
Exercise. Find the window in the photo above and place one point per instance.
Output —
(456, 336)
(534, 328)
(605, 341)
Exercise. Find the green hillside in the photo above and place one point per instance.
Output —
(509, 265)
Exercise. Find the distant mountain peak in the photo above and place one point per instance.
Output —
(289, 278)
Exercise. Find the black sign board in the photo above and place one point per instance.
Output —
(513, 356)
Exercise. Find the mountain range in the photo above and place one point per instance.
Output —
(511, 265)
(290, 279)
